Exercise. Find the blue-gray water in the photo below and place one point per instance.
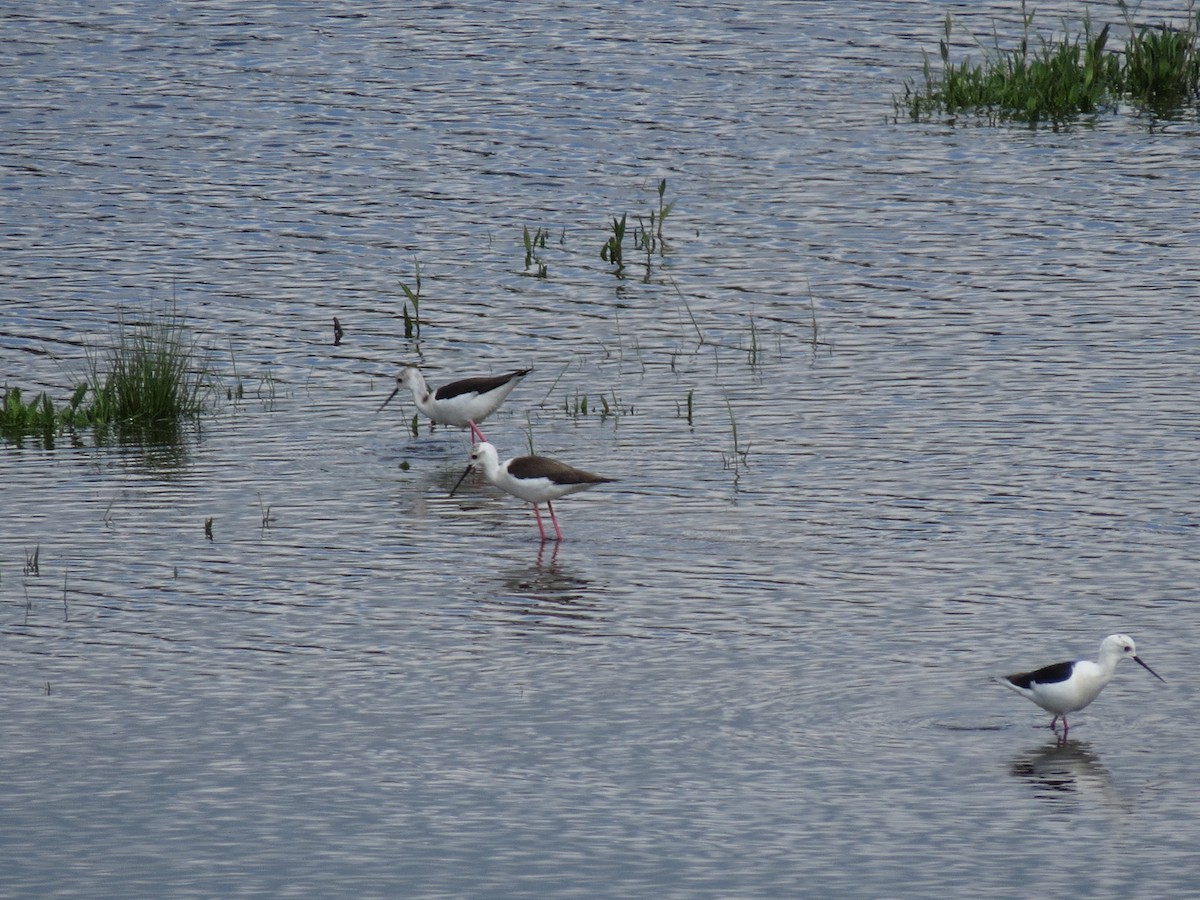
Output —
(962, 365)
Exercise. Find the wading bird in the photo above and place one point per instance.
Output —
(463, 404)
(1068, 687)
(534, 479)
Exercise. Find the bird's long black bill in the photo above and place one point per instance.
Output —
(389, 399)
(1138, 660)
(468, 472)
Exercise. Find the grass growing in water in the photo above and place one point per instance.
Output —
(534, 242)
(149, 379)
(740, 455)
(412, 321)
(613, 249)
(1162, 65)
(1041, 80)
(39, 416)
(143, 384)
(690, 407)
(577, 407)
(647, 236)
(1044, 82)
(31, 561)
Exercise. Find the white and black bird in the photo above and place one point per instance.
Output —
(534, 479)
(1068, 687)
(464, 403)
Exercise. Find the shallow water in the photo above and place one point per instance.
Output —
(960, 362)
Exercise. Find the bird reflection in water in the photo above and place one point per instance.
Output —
(547, 594)
(1067, 770)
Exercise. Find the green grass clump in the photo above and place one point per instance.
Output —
(144, 384)
(1162, 66)
(39, 416)
(1047, 81)
(150, 376)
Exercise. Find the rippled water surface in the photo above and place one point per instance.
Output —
(942, 424)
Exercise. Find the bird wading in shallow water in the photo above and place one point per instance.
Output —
(534, 479)
(464, 403)
(1068, 687)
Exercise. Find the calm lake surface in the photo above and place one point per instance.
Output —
(942, 382)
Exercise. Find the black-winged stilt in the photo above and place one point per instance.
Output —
(1068, 687)
(534, 479)
(462, 403)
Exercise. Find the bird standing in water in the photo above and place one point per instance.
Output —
(534, 479)
(1068, 687)
(464, 403)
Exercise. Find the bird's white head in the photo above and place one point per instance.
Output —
(1119, 645)
(484, 457)
(410, 377)
(1116, 647)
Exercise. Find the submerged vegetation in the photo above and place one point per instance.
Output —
(144, 384)
(1040, 80)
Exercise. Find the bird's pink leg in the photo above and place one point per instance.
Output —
(554, 519)
(476, 433)
(1066, 727)
(538, 516)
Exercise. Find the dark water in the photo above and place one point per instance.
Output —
(960, 364)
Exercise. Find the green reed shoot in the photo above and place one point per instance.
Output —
(755, 352)
(534, 242)
(578, 406)
(648, 237)
(412, 321)
(664, 209)
(31, 561)
(740, 455)
(731, 462)
(612, 251)
(689, 407)
(732, 427)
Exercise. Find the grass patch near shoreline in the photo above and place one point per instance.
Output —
(1043, 80)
